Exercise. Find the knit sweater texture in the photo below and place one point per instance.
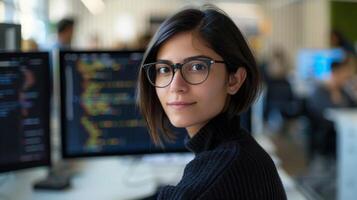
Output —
(228, 164)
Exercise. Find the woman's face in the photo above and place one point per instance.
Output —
(186, 105)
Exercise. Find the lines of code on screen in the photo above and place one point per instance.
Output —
(100, 113)
(23, 109)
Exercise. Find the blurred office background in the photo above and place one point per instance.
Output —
(306, 50)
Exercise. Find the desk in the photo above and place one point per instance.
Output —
(346, 128)
(118, 178)
(109, 178)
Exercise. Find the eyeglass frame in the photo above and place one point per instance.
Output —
(178, 66)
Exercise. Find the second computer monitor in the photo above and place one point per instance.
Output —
(24, 110)
(99, 115)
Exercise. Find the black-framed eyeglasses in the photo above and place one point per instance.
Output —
(194, 70)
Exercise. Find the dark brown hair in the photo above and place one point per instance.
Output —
(65, 24)
(224, 37)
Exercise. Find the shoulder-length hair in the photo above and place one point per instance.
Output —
(224, 37)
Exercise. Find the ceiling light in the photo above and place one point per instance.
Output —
(94, 6)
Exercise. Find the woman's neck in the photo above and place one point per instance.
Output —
(193, 130)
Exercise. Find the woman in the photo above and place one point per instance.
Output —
(199, 73)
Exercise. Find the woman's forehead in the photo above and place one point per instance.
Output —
(184, 45)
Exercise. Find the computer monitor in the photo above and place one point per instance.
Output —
(313, 66)
(316, 63)
(24, 110)
(99, 116)
(10, 37)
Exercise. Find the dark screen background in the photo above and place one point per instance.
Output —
(24, 110)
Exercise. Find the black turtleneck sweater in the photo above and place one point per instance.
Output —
(228, 164)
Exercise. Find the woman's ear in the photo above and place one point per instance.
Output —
(236, 80)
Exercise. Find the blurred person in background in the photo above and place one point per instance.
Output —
(65, 29)
(328, 94)
(279, 100)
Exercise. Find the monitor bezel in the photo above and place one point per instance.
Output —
(47, 107)
(64, 150)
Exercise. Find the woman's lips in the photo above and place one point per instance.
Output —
(179, 104)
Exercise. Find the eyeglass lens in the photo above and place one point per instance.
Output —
(193, 72)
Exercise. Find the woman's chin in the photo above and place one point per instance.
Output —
(179, 122)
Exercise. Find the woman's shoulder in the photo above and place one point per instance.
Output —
(242, 151)
(249, 149)
(251, 169)
(240, 163)
(201, 173)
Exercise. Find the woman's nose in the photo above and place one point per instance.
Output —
(178, 84)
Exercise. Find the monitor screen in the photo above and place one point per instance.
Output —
(24, 110)
(99, 115)
(316, 63)
(314, 66)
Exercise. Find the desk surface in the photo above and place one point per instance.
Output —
(115, 178)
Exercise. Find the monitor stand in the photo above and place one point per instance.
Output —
(60, 173)
(58, 178)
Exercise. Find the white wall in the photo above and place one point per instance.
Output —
(107, 25)
(286, 22)
(297, 24)
(316, 24)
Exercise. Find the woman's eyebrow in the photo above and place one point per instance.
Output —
(186, 59)
(194, 57)
(163, 60)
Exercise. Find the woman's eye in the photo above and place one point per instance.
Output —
(198, 67)
(163, 69)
